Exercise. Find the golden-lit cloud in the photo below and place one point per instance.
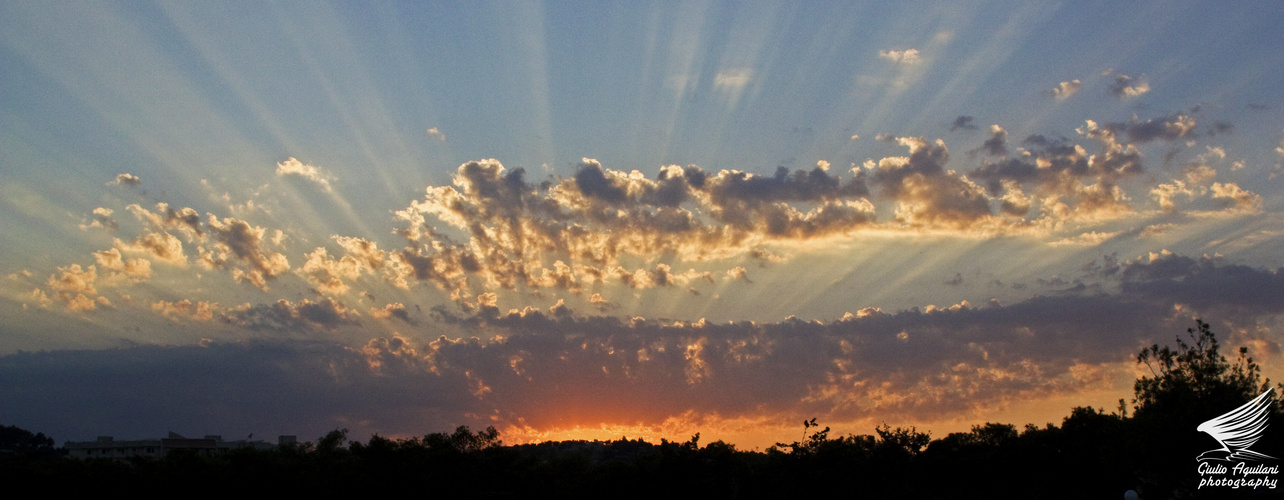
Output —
(198, 311)
(1125, 87)
(907, 56)
(297, 168)
(237, 241)
(132, 269)
(102, 218)
(1064, 90)
(162, 246)
(126, 179)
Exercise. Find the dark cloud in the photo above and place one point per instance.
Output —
(592, 182)
(553, 368)
(1221, 128)
(233, 389)
(996, 145)
(1166, 128)
(1204, 283)
(1125, 87)
(557, 369)
(284, 315)
(964, 123)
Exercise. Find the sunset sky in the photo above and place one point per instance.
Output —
(643, 219)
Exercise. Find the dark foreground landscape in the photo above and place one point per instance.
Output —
(1149, 447)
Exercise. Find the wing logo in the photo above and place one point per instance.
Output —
(1239, 429)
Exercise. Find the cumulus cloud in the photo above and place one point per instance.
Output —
(1167, 128)
(1125, 87)
(996, 145)
(101, 219)
(185, 220)
(1070, 182)
(326, 274)
(131, 269)
(572, 231)
(738, 273)
(394, 310)
(313, 174)
(198, 311)
(130, 180)
(907, 56)
(1205, 283)
(926, 192)
(1064, 90)
(1237, 197)
(550, 367)
(433, 133)
(283, 315)
(74, 287)
(161, 246)
(237, 241)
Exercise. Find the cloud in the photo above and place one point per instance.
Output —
(74, 287)
(1064, 90)
(130, 180)
(186, 220)
(102, 219)
(927, 193)
(738, 273)
(549, 370)
(135, 270)
(964, 123)
(733, 80)
(1071, 183)
(326, 274)
(394, 310)
(433, 133)
(1237, 197)
(236, 240)
(996, 145)
(198, 311)
(1210, 286)
(552, 368)
(309, 172)
(162, 246)
(907, 56)
(1167, 128)
(570, 231)
(283, 315)
(1126, 87)
(1091, 238)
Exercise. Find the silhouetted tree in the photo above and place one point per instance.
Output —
(16, 441)
(1187, 386)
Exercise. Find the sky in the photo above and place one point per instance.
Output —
(588, 220)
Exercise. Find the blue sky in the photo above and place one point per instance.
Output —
(862, 212)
